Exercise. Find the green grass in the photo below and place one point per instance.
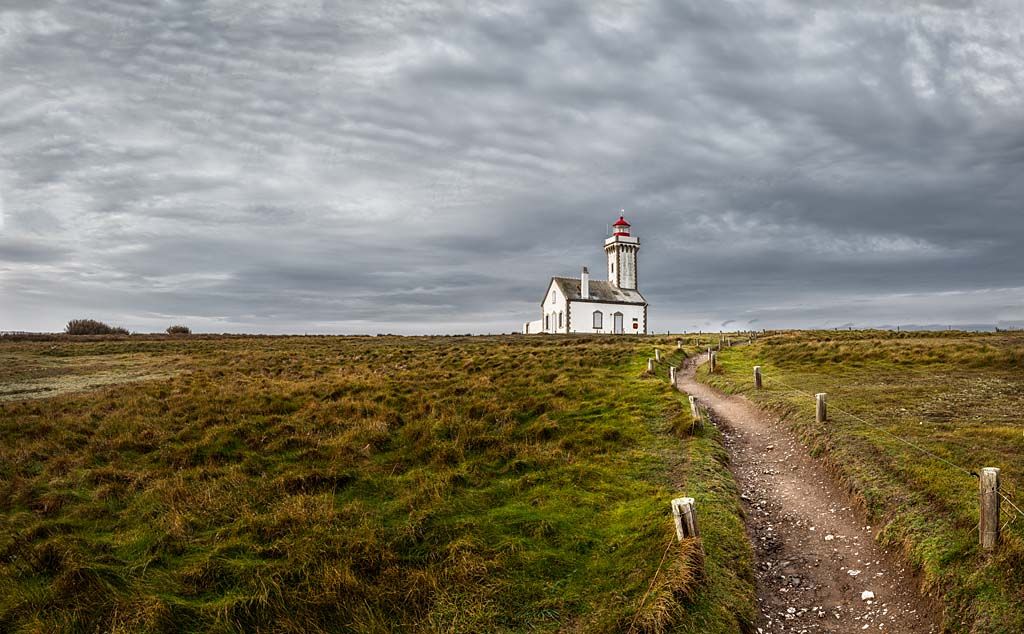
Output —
(957, 396)
(359, 484)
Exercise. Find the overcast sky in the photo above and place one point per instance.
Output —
(358, 167)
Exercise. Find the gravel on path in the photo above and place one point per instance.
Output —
(819, 568)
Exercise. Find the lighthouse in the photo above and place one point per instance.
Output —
(621, 249)
(582, 305)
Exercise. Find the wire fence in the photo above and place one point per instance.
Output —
(878, 427)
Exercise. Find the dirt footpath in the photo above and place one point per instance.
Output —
(818, 566)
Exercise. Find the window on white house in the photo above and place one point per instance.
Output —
(553, 295)
(598, 320)
(560, 320)
(547, 324)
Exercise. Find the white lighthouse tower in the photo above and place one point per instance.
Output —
(621, 249)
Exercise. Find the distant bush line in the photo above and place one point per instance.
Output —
(95, 327)
(92, 327)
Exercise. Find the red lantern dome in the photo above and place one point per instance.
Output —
(621, 227)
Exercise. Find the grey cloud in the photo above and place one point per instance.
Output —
(425, 167)
(25, 252)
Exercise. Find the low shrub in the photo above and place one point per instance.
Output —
(179, 330)
(92, 327)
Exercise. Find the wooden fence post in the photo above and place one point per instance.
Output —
(714, 361)
(679, 344)
(988, 487)
(685, 517)
(695, 409)
(650, 365)
(672, 374)
(657, 355)
(820, 413)
(757, 377)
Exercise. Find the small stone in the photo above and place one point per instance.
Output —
(829, 538)
(867, 595)
(853, 573)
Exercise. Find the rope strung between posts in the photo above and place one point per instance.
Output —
(878, 427)
(1002, 496)
(1010, 502)
(836, 408)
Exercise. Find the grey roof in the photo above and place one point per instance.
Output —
(600, 291)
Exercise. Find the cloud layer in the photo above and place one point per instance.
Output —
(342, 166)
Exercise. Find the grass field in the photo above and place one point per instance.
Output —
(957, 396)
(358, 485)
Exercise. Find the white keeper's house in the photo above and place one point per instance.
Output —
(583, 305)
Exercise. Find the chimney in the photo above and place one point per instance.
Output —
(585, 284)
